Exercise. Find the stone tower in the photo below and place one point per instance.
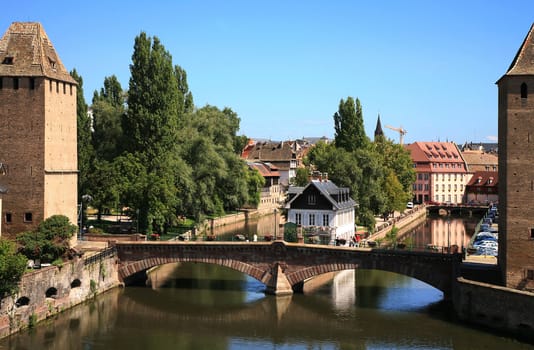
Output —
(38, 150)
(516, 169)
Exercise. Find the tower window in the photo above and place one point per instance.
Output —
(28, 217)
(8, 218)
(524, 90)
(1, 83)
(16, 83)
(32, 83)
(8, 60)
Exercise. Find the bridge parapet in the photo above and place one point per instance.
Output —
(283, 266)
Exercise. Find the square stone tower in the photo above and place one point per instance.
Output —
(38, 137)
(516, 169)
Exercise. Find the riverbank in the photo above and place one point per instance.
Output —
(45, 292)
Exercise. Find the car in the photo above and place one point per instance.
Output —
(409, 205)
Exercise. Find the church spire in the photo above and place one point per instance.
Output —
(378, 130)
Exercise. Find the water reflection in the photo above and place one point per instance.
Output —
(261, 226)
(382, 311)
(443, 231)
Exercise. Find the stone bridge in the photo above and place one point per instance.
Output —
(284, 267)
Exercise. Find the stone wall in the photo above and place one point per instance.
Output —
(503, 309)
(50, 290)
(114, 237)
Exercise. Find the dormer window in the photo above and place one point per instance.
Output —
(312, 200)
(8, 60)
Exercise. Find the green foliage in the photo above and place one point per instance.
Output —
(12, 267)
(301, 178)
(348, 124)
(290, 232)
(158, 155)
(50, 241)
(391, 236)
(379, 175)
(108, 109)
(395, 195)
(85, 149)
(32, 320)
(93, 287)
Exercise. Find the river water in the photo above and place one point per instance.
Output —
(199, 306)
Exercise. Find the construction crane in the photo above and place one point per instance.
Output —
(401, 132)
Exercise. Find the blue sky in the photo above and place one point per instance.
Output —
(283, 66)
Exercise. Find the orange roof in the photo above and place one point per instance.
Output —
(424, 154)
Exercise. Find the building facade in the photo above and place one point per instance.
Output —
(271, 196)
(441, 173)
(323, 208)
(38, 135)
(516, 171)
(285, 155)
(483, 188)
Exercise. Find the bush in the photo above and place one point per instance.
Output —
(12, 267)
(50, 241)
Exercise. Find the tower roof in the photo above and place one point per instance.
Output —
(25, 50)
(523, 61)
(378, 129)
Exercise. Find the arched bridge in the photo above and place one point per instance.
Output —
(283, 267)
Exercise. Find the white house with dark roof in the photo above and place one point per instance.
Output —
(322, 206)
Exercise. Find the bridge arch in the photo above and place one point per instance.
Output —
(283, 267)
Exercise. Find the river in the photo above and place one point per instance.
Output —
(198, 306)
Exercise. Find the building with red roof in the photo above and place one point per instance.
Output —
(483, 188)
(441, 172)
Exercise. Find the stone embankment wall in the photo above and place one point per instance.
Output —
(50, 290)
(499, 308)
(404, 222)
(114, 237)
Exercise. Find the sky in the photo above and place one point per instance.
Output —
(427, 66)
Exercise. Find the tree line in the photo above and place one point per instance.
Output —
(379, 173)
(151, 150)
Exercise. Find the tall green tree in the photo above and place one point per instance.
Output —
(348, 124)
(150, 129)
(185, 98)
(108, 109)
(85, 148)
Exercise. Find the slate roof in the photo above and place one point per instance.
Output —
(522, 63)
(25, 50)
(329, 190)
